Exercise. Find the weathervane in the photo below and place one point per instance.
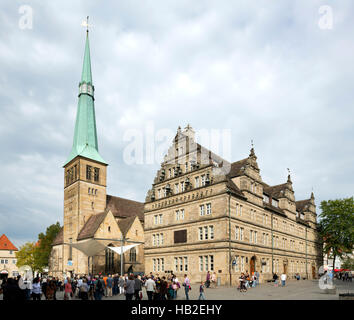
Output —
(252, 143)
(86, 24)
(288, 170)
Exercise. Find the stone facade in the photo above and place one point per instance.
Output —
(233, 221)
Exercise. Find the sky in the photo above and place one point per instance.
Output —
(280, 73)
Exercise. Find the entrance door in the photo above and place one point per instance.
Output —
(252, 265)
(285, 267)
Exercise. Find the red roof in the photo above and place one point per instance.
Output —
(6, 244)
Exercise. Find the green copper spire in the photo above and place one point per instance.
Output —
(85, 137)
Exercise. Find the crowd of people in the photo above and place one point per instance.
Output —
(89, 287)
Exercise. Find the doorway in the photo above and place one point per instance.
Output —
(252, 265)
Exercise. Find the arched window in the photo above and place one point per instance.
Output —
(109, 263)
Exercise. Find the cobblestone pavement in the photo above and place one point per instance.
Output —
(294, 290)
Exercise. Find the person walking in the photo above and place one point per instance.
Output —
(187, 286)
(137, 287)
(129, 288)
(283, 279)
(207, 282)
(257, 278)
(121, 283)
(36, 289)
(115, 284)
(99, 288)
(68, 289)
(150, 287)
(275, 279)
(109, 283)
(213, 280)
(201, 291)
(84, 288)
(51, 290)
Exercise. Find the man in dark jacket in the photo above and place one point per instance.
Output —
(137, 287)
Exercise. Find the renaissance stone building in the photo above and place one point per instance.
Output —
(206, 214)
(89, 212)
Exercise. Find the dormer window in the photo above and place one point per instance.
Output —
(275, 203)
(265, 198)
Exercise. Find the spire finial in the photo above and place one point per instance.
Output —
(289, 180)
(252, 154)
(86, 24)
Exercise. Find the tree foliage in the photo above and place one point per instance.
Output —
(337, 226)
(25, 255)
(348, 263)
(36, 255)
(44, 247)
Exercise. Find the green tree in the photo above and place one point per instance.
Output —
(336, 226)
(44, 246)
(348, 263)
(25, 255)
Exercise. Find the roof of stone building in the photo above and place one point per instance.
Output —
(6, 244)
(300, 205)
(233, 187)
(274, 191)
(274, 209)
(92, 224)
(125, 224)
(59, 239)
(236, 168)
(124, 208)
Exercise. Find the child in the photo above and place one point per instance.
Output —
(201, 291)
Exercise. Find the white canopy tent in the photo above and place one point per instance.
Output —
(125, 248)
(91, 247)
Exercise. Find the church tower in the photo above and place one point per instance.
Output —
(84, 171)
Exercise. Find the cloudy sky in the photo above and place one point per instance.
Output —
(278, 72)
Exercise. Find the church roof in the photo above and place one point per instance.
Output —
(123, 208)
(6, 244)
(85, 135)
(125, 224)
(59, 239)
(92, 224)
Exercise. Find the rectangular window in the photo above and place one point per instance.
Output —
(177, 214)
(205, 233)
(176, 264)
(97, 174)
(208, 208)
(155, 219)
(153, 240)
(154, 264)
(88, 172)
(202, 209)
(255, 237)
(206, 260)
(211, 263)
(203, 180)
(200, 233)
(176, 188)
(242, 264)
(185, 264)
(197, 182)
(237, 230)
(241, 234)
(211, 232)
(161, 238)
(240, 211)
(160, 218)
(180, 264)
(201, 263)
(251, 236)
(182, 186)
(182, 214)
(162, 264)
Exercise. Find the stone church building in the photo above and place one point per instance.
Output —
(89, 212)
(206, 214)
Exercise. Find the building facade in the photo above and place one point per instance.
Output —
(8, 259)
(89, 213)
(206, 214)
